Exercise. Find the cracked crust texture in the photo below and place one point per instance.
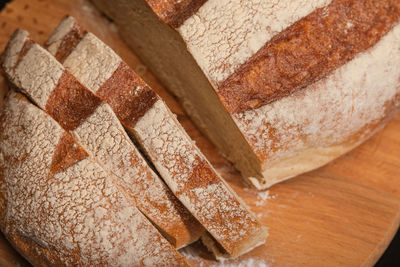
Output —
(59, 207)
(175, 12)
(255, 52)
(307, 51)
(352, 103)
(97, 129)
(184, 168)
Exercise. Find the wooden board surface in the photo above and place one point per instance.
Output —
(344, 214)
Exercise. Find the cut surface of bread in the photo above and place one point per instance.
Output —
(280, 87)
(58, 205)
(184, 168)
(94, 125)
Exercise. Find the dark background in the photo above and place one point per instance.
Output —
(392, 255)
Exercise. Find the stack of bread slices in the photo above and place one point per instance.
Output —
(96, 170)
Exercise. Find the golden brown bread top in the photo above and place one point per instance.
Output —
(345, 107)
(307, 51)
(128, 95)
(71, 103)
(70, 40)
(175, 12)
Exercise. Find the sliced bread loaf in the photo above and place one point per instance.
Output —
(181, 164)
(58, 207)
(280, 87)
(94, 125)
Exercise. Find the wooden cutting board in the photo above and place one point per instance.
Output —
(344, 214)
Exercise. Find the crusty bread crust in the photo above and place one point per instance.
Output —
(276, 141)
(184, 168)
(98, 130)
(70, 104)
(127, 94)
(308, 51)
(174, 12)
(60, 208)
(309, 128)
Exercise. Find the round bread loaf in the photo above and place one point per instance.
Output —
(280, 87)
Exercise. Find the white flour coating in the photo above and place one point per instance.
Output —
(43, 134)
(215, 206)
(93, 69)
(170, 150)
(164, 140)
(110, 138)
(55, 39)
(15, 46)
(262, 196)
(34, 76)
(103, 136)
(231, 222)
(78, 211)
(331, 110)
(224, 34)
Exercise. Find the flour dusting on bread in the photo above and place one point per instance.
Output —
(223, 34)
(355, 95)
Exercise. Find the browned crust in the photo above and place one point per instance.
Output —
(66, 154)
(391, 107)
(121, 91)
(71, 103)
(25, 48)
(27, 45)
(173, 12)
(332, 151)
(129, 105)
(307, 51)
(70, 41)
(127, 94)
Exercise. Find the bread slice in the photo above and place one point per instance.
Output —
(59, 207)
(184, 168)
(280, 87)
(94, 125)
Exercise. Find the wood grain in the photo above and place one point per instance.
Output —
(344, 214)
